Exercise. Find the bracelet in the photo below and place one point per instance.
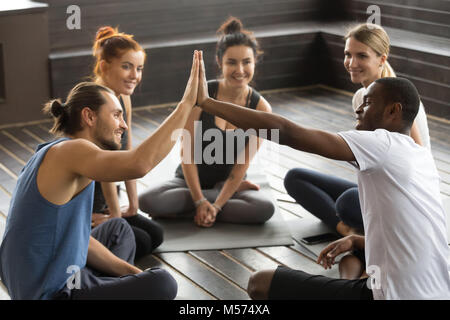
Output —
(199, 202)
(217, 207)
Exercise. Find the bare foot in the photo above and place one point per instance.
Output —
(345, 230)
(247, 185)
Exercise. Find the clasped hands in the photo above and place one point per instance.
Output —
(205, 214)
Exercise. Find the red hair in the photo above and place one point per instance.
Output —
(110, 43)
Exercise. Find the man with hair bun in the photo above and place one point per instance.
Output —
(48, 251)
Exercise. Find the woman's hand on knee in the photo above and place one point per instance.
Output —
(99, 218)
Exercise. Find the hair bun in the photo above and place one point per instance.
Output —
(105, 32)
(232, 25)
(57, 108)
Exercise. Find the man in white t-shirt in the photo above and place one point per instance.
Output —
(404, 220)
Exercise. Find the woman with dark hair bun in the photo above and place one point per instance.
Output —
(218, 190)
(119, 66)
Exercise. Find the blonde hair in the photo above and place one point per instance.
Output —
(376, 38)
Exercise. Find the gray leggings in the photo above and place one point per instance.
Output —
(172, 199)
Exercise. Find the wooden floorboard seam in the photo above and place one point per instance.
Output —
(31, 134)
(182, 275)
(218, 272)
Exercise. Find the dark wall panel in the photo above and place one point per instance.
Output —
(156, 19)
(428, 17)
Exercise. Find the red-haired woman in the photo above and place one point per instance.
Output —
(119, 66)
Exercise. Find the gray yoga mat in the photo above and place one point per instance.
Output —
(184, 235)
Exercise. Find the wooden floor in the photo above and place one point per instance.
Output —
(223, 274)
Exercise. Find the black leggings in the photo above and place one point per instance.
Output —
(329, 198)
(148, 233)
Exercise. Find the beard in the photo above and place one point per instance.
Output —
(107, 144)
(110, 145)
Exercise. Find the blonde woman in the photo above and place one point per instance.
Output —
(333, 200)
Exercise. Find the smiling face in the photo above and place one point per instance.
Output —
(238, 66)
(123, 74)
(370, 114)
(362, 62)
(110, 124)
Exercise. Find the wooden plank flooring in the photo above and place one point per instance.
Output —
(223, 274)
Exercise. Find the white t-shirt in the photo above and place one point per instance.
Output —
(404, 220)
(421, 118)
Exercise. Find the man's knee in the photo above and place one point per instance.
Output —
(120, 226)
(114, 230)
(259, 284)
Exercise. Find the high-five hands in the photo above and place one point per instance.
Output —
(190, 93)
(202, 84)
(196, 91)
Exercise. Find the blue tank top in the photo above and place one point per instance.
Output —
(43, 242)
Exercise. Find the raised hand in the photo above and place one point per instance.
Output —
(190, 93)
(202, 85)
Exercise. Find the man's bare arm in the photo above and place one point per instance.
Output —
(320, 142)
(103, 260)
(85, 159)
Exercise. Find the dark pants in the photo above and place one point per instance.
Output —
(117, 236)
(329, 198)
(289, 284)
(148, 233)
